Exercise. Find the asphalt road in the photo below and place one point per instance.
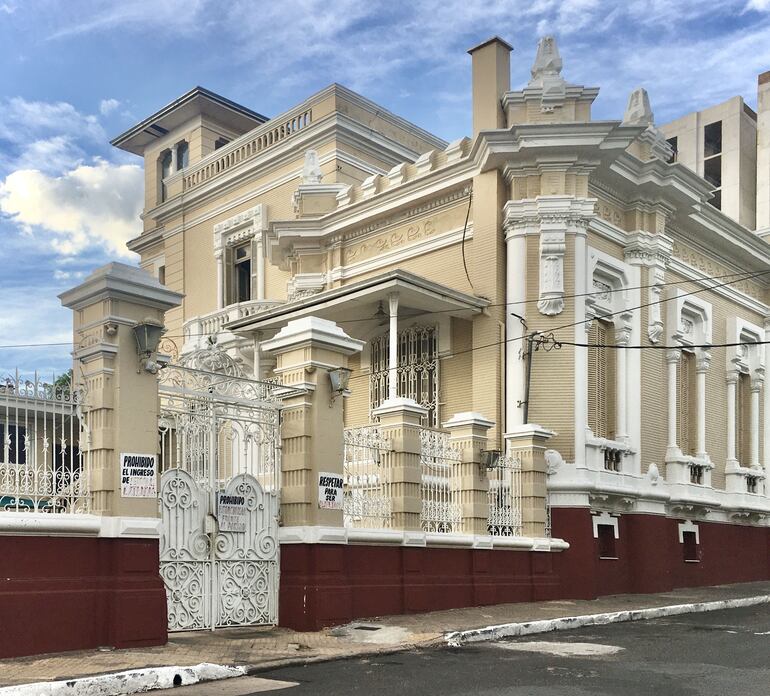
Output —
(720, 653)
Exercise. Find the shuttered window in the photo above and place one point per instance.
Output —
(601, 381)
(686, 421)
(743, 420)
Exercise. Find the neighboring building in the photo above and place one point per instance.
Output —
(729, 145)
(443, 258)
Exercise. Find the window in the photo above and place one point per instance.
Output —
(606, 540)
(417, 369)
(182, 155)
(240, 282)
(743, 420)
(690, 547)
(220, 142)
(712, 139)
(674, 143)
(712, 160)
(166, 162)
(601, 381)
(12, 441)
(685, 402)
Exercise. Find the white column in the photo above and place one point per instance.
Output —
(581, 353)
(756, 385)
(701, 367)
(260, 269)
(732, 382)
(766, 425)
(515, 294)
(622, 335)
(220, 280)
(174, 159)
(393, 347)
(257, 371)
(672, 358)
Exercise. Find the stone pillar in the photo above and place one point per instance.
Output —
(703, 359)
(732, 384)
(400, 421)
(312, 428)
(756, 387)
(529, 443)
(468, 432)
(672, 358)
(393, 346)
(121, 401)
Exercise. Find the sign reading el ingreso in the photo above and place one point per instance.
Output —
(138, 475)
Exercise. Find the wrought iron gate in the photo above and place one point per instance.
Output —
(220, 483)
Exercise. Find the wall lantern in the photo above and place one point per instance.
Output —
(491, 459)
(339, 378)
(148, 333)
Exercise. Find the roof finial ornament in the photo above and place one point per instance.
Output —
(639, 111)
(311, 170)
(548, 62)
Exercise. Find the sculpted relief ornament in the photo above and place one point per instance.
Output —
(552, 249)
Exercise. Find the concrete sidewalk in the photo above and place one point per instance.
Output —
(261, 648)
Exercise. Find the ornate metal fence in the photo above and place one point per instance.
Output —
(42, 435)
(367, 496)
(441, 510)
(505, 514)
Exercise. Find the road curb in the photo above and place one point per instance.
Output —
(133, 681)
(510, 630)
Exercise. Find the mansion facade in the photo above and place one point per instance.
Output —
(554, 273)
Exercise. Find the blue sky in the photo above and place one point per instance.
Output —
(77, 72)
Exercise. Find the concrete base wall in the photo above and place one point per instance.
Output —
(60, 594)
(323, 584)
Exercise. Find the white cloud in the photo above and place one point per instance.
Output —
(22, 120)
(6, 8)
(758, 5)
(107, 106)
(89, 206)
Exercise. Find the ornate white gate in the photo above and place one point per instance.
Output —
(220, 482)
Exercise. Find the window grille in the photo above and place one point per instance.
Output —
(601, 381)
(743, 416)
(417, 373)
(685, 375)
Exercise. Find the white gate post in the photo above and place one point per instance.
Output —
(122, 397)
(312, 431)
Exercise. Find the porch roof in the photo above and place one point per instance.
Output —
(360, 300)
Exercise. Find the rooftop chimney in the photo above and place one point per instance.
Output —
(491, 65)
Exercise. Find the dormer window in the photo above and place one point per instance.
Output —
(172, 160)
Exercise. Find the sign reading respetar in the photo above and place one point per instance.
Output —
(138, 475)
(329, 491)
(231, 512)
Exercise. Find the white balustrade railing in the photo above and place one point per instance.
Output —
(505, 513)
(42, 468)
(367, 496)
(199, 328)
(441, 511)
(246, 147)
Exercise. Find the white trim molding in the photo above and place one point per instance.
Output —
(605, 518)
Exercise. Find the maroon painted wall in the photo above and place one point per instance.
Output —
(650, 557)
(324, 584)
(61, 594)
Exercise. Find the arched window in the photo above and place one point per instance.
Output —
(182, 155)
(166, 163)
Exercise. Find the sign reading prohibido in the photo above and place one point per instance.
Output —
(138, 475)
(330, 491)
(231, 512)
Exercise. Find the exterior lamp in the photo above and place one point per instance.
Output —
(339, 378)
(148, 334)
(491, 459)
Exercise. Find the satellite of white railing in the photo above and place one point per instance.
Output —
(441, 510)
(505, 514)
(42, 433)
(367, 496)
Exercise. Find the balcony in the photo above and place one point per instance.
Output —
(198, 330)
